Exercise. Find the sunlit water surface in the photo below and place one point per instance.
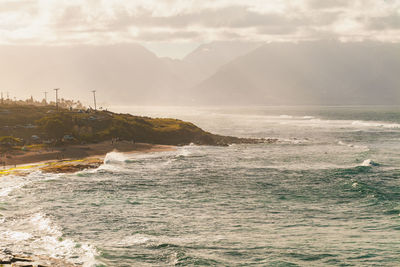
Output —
(326, 194)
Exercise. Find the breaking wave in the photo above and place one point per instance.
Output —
(369, 163)
(38, 235)
(376, 124)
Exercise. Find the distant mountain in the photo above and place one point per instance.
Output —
(120, 73)
(207, 59)
(324, 72)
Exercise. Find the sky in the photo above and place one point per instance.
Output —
(173, 28)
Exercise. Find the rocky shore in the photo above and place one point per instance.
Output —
(71, 151)
(10, 259)
(71, 166)
(74, 158)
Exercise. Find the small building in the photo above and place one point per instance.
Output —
(30, 126)
(35, 138)
(68, 137)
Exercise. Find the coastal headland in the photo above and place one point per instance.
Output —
(63, 138)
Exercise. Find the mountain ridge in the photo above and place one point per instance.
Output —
(217, 73)
(325, 72)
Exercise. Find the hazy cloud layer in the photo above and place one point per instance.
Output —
(118, 21)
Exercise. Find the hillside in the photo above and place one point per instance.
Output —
(322, 73)
(45, 124)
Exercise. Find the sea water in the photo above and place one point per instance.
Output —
(326, 194)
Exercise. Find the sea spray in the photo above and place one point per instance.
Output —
(369, 163)
(114, 157)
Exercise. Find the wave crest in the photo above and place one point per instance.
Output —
(369, 163)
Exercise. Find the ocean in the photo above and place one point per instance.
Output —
(326, 194)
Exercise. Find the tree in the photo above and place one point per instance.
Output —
(7, 142)
(56, 126)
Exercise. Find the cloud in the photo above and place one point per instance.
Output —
(17, 6)
(328, 4)
(118, 21)
(226, 17)
(161, 36)
(389, 22)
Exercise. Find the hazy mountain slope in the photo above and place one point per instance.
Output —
(210, 57)
(226, 73)
(307, 73)
(207, 59)
(121, 73)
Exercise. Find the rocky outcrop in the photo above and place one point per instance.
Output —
(9, 259)
(72, 166)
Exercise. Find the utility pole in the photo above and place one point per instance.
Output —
(94, 99)
(2, 99)
(8, 96)
(56, 89)
(45, 97)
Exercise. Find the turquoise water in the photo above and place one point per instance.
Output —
(326, 194)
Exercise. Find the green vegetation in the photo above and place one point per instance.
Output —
(77, 126)
(8, 142)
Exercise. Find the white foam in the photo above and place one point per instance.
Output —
(49, 239)
(368, 162)
(117, 157)
(376, 124)
(37, 234)
(6, 191)
(117, 162)
(183, 152)
(44, 224)
(294, 141)
(114, 157)
(11, 183)
(310, 121)
(15, 235)
(134, 240)
(285, 117)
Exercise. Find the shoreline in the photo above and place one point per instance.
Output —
(72, 158)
